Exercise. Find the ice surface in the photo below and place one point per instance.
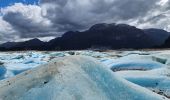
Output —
(72, 78)
(148, 69)
(16, 63)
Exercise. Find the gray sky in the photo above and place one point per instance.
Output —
(54, 17)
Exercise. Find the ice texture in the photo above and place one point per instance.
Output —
(72, 78)
(147, 69)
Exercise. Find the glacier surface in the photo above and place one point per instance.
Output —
(148, 70)
(72, 78)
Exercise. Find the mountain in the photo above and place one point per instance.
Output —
(157, 35)
(166, 44)
(8, 44)
(34, 44)
(115, 36)
(109, 36)
(2, 49)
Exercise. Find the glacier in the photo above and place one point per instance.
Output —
(148, 70)
(72, 78)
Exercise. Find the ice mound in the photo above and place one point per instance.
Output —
(134, 62)
(156, 80)
(136, 65)
(72, 78)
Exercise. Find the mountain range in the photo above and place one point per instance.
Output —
(110, 36)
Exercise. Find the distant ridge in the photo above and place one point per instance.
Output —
(166, 44)
(112, 36)
(34, 44)
(159, 36)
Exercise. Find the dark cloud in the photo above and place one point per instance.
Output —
(6, 31)
(129, 9)
(76, 14)
(158, 17)
(25, 27)
(27, 21)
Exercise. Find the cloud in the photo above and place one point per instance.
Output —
(76, 14)
(6, 31)
(27, 20)
(159, 17)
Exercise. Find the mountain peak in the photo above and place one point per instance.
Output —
(101, 26)
(35, 39)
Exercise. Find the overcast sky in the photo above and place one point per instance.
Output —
(25, 19)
